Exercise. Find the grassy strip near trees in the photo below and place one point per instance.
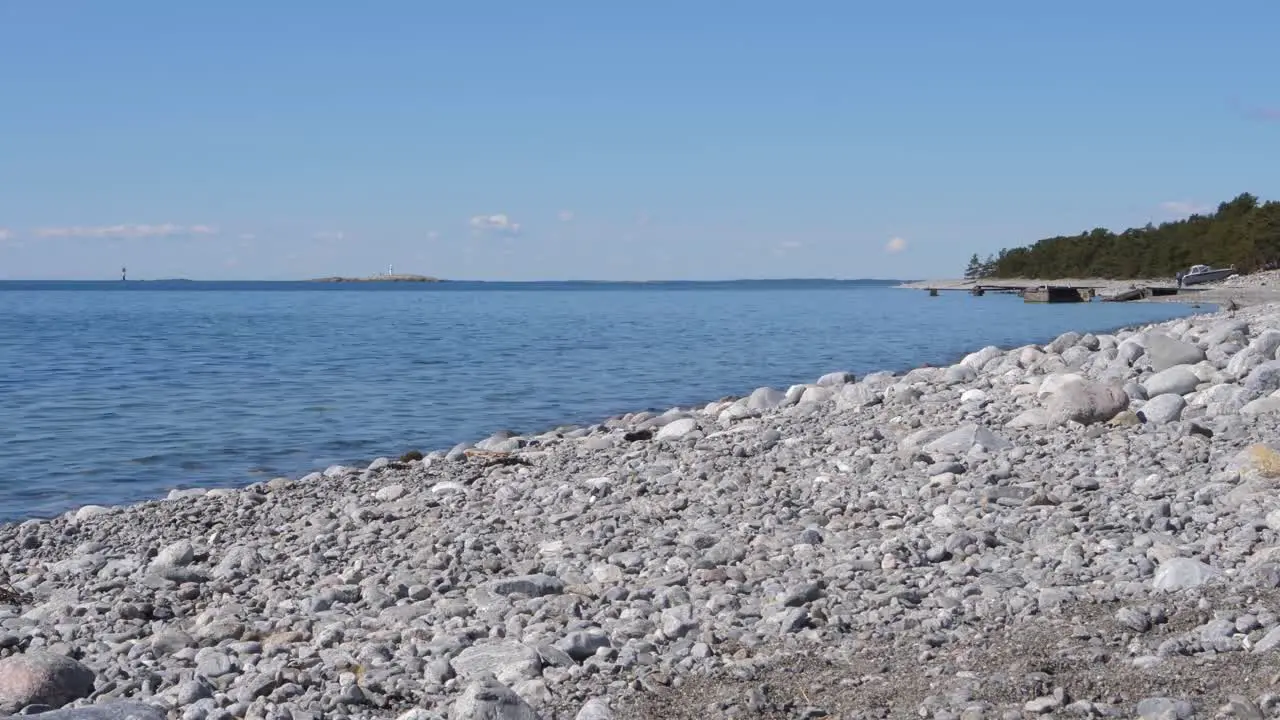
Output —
(1242, 232)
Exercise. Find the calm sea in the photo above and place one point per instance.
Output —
(116, 392)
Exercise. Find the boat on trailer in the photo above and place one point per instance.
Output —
(1204, 274)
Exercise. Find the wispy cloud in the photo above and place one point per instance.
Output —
(895, 245)
(329, 235)
(1265, 113)
(125, 231)
(565, 215)
(248, 236)
(498, 224)
(1182, 208)
(433, 235)
(7, 234)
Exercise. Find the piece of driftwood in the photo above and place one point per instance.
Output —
(494, 457)
(11, 596)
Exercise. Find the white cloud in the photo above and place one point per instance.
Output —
(125, 231)
(565, 216)
(330, 235)
(248, 236)
(433, 235)
(786, 247)
(895, 245)
(498, 224)
(6, 234)
(1182, 208)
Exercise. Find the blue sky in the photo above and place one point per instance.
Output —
(560, 140)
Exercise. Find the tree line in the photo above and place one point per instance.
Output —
(1242, 232)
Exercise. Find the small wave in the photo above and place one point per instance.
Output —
(348, 444)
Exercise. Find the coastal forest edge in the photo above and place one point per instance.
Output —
(1243, 232)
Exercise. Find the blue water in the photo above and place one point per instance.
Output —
(115, 392)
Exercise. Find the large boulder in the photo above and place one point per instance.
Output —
(1225, 332)
(901, 394)
(1085, 402)
(1029, 356)
(595, 709)
(1219, 399)
(1180, 573)
(1063, 342)
(964, 439)
(1263, 380)
(530, 585)
(857, 395)
(1244, 362)
(509, 661)
(765, 398)
(1051, 384)
(1162, 409)
(1266, 344)
(677, 429)
(835, 379)
(814, 395)
(1076, 356)
(1129, 351)
(957, 374)
(488, 699)
(42, 678)
(1179, 380)
(979, 359)
(1165, 352)
(1262, 406)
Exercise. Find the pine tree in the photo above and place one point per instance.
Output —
(988, 267)
(974, 270)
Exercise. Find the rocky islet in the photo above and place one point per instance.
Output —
(1087, 528)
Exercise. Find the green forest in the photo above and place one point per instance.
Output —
(1242, 232)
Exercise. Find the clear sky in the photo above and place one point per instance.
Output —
(599, 140)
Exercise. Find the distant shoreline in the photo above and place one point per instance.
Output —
(379, 278)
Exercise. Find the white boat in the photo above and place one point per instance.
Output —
(1204, 274)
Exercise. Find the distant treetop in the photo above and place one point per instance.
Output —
(1242, 232)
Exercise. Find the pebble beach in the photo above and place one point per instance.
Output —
(1084, 528)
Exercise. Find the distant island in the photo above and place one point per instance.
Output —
(399, 277)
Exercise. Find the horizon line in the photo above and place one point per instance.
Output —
(456, 280)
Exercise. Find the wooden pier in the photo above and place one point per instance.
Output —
(1061, 293)
(1057, 294)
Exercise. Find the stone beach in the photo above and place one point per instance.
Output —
(1084, 528)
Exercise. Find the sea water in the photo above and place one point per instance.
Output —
(118, 392)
